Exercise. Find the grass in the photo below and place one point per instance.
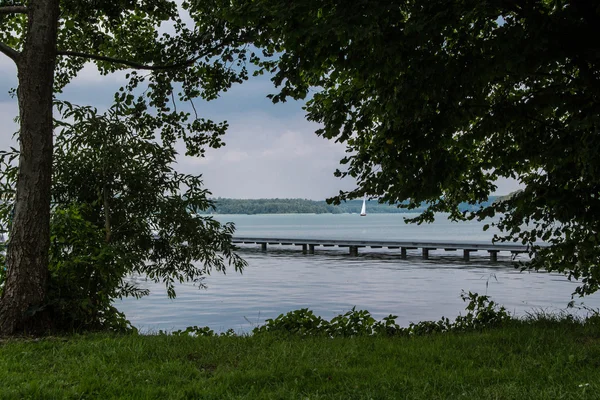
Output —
(536, 360)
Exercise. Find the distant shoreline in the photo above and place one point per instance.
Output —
(305, 206)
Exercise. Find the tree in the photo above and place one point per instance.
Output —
(50, 41)
(119, 208)
(436, 100)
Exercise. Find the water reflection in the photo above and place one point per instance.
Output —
(332, 282)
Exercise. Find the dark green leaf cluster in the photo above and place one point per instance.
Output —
(204, 331)
(86, 274)
(481, 313)
(116, 198)
(121, 209)
(199, 58)
(2, 263)
(169, 57)
(7, 193)
(437, 100)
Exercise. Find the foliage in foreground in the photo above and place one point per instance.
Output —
(536, 360)
(172, 56)
(120, 208)
(436, 100)
(482, 313)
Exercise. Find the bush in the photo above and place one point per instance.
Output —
(119, 207)
(481, 313)
(301, 322)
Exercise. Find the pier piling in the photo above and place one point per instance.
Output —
(466, 254)
(308, 245)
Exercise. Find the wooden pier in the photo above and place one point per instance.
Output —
(308, 245)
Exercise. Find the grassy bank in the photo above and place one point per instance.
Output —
(542, 360)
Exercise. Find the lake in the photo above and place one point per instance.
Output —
(331, 281)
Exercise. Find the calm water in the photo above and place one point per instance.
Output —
(332, 282)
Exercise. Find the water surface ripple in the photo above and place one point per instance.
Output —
(332, 282)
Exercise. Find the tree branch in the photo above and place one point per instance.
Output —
(132, 64)
(163, 67)
(9, 52)
(13, 10)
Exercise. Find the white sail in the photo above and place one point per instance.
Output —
(363, 210)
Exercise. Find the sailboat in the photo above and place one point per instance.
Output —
(363, 210)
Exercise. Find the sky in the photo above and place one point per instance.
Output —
(271, 149)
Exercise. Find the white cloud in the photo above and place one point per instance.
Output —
(270, 156)
(90, 75)
(507, 185)
(8, 111)
(192, 162)
(7, 66)
(8, 77)
(289, 144)
(235, 156)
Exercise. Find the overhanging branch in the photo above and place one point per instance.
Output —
(13, 10)
(142, 66)
(9, 52)
(132, 64)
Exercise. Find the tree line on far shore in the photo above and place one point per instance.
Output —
(305, 206)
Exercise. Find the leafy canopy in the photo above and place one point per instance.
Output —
(121, 209)
(436, 100)
(118, 205)
(172, 56)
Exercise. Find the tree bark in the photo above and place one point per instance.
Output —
(27, 255)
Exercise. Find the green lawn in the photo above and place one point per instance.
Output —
(522, 361)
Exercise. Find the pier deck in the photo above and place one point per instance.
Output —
(308, 245)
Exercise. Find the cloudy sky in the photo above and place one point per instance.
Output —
(271, 150)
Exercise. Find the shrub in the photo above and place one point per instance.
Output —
(481, 313)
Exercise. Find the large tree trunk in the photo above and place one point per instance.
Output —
(27, 256)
